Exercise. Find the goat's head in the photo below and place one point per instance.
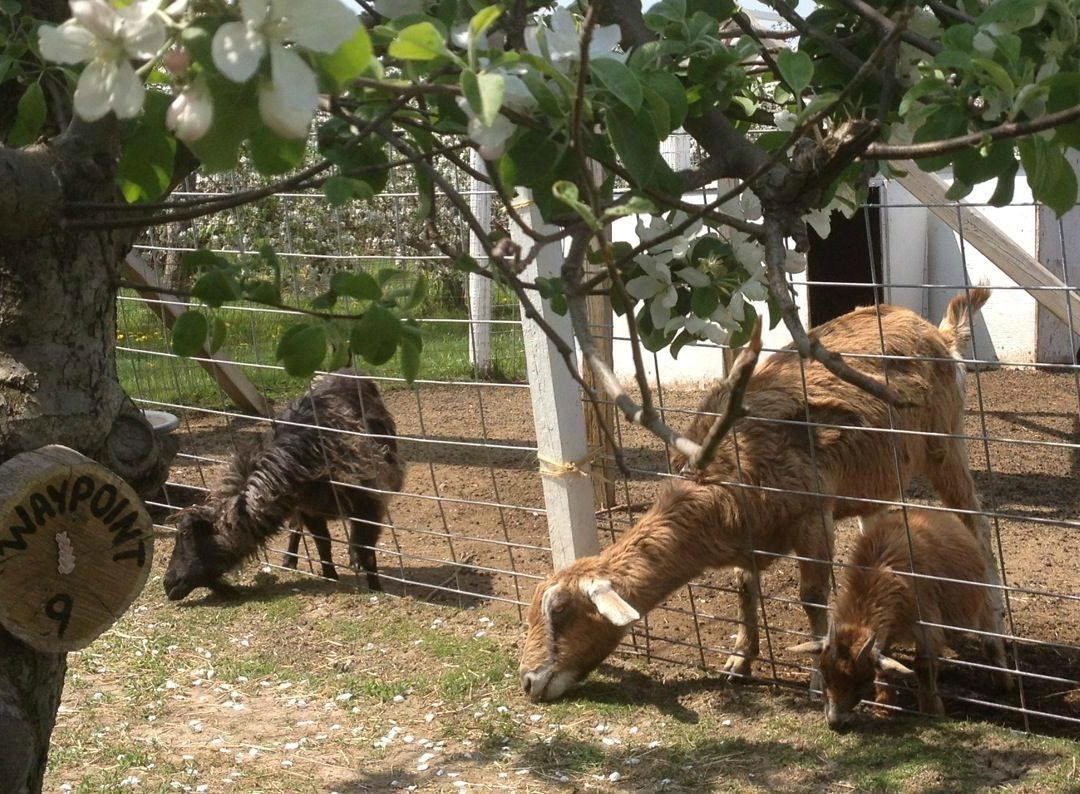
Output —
(575, 621)
(849, 660)
(198, 559)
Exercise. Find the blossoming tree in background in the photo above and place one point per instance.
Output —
(105, 107)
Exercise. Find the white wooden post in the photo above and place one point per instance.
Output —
(677, 150)
(1055, 343)
(561, 440)
(479, 286)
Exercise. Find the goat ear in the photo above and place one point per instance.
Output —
(887, 664)
(812, 648)
(866, 651)
(609, 603)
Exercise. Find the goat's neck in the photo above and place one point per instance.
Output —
(673, 543)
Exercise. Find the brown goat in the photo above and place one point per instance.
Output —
(878, 608)
(774, 488)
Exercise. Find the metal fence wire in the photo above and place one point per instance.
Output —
(469, 525)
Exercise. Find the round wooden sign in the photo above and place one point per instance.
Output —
(76, 545)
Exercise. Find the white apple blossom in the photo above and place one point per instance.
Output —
(106, 39)
(191, 112)
(784, 120)
(754, 289)
(706, 329)
(287, 101)
(748, 251)
(491, 140)
(678, 246)
(561, 42)
(655, 284)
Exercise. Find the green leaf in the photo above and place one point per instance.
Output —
(418, 292)
(544, 96)
(341, 190)
(637, 205)
(1006, 183)
(704, 300)
(339, 357)
(350, 60)
(1049, 173)
(533, 156)
(492, 88)
(189, 333)
(484, 19)
(302, 349)
(29, 117)
(361, 286)
(617, 78)
(236, 117)
(375, 336)
(272, 154)
(796, 68)
(671, 89)
(215, 288)
(412, 343)
(201, 259)
(218, 333)
(567, 192)
(145, 169)
(419, 42)
(635, 141)
(466, 264)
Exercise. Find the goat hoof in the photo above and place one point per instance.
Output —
(329, 572)
(373, 583)
(738, 667)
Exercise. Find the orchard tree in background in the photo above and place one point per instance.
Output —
(106, 107)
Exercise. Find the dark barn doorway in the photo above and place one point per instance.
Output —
(850, 254)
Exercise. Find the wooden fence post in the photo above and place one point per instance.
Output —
(479, 286)
(561, 441)
(601, 323)
(1055, 342)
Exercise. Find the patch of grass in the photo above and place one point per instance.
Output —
(148, 370)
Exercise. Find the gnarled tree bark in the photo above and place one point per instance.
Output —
(58, 381)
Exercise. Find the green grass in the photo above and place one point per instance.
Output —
(653, 727)
(252, 339)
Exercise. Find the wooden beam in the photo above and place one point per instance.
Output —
(975, 228)
(232, 381)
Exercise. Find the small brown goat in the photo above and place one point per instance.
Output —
(759, 498)
(878, 608)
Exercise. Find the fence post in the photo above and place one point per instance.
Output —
(1055, 342)
(602, 414)
(479, 286)
(561, 440)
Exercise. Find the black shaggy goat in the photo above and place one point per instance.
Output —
(340, 430)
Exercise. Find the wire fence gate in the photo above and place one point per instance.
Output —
(472, 522)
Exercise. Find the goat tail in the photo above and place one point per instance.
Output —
(959, 317)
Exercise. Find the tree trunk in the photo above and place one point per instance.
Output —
(58, 384)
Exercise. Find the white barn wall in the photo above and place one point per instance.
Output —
(929, 252)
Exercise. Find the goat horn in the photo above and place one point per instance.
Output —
(812, 647)
(887, 664)
(609, 603)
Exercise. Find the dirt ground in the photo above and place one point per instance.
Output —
(485, 541)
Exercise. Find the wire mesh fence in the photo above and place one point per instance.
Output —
(470, 522)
